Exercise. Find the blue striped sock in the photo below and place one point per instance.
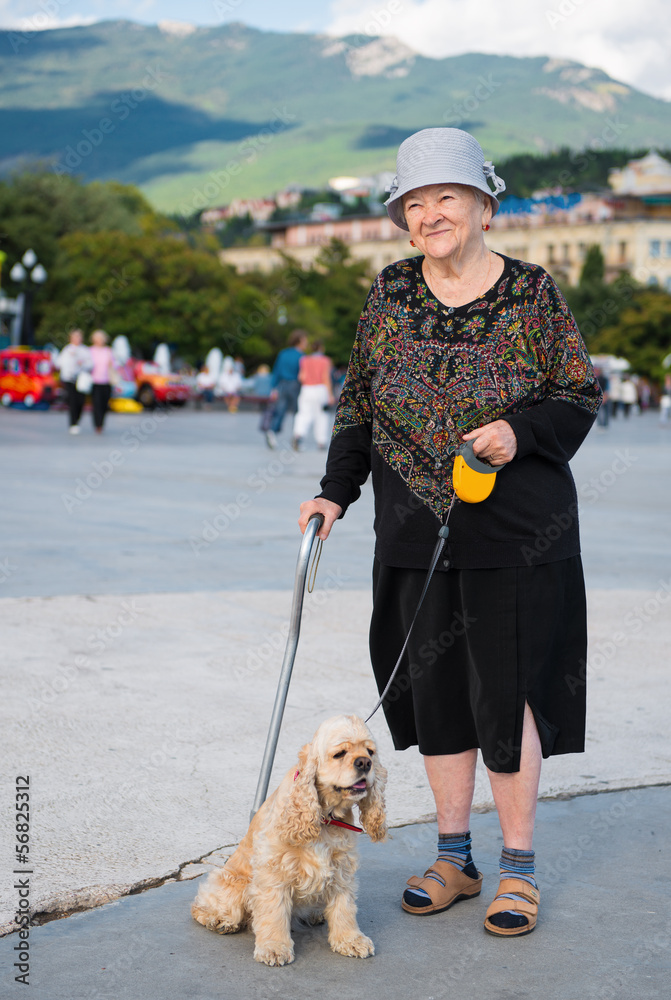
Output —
(455, 848)
(521, 865)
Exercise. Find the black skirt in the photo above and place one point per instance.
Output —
(486, 641)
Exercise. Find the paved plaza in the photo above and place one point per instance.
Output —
(189, 501)
(145, 587)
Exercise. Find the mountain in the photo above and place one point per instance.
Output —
(197, 116)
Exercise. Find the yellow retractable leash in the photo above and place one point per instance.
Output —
(472, 479)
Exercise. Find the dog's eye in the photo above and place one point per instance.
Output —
(341, 753)
(371, 753)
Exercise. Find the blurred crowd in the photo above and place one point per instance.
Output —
(625, 394)
(302, 385)
(297, 392)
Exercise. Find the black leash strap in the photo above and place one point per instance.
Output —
(440, 544)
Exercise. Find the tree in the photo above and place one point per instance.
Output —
(594, 268)
(38, 209)
(151, 288)
(642, 334)
(328, 297)
(345, 285)
(360, 206)
(621, 317)
(594, 303)
(238, 230)
(115, 264)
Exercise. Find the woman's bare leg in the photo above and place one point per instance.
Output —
(516, 794)
(452, 780)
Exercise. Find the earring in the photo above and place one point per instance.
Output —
(485, 228)
(412, 243)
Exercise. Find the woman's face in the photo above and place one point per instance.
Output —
(445, 219)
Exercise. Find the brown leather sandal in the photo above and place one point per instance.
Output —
(445, 885)
(527, 906)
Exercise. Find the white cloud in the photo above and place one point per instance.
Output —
(631, 41)
(42, 21)
(40, 15)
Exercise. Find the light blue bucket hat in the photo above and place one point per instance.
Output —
(440, 156)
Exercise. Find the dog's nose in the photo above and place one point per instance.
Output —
(363, 764)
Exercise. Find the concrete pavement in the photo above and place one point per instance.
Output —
(191, 501)
(146, 581)
(604, 932)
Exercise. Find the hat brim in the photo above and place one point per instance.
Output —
(394, 204)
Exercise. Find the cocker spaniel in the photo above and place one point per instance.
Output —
(298, 855)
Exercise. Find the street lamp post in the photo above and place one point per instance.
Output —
(29, 273)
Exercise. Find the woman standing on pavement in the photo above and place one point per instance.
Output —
(314, 398)
(74, 359)
(102, 375)
(464, 344)
(229, 384)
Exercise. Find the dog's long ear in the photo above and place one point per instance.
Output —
(301, 819)
(372, 809)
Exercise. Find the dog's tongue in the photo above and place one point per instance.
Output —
(360, 784)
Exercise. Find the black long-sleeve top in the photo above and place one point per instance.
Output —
(423, 374)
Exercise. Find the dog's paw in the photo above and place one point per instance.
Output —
(359, 946)
(217, 922)
(274, 954)
(226, 927)
(313, 918)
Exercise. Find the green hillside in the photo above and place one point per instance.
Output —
(230, 111)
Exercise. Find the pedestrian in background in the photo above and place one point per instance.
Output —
(102, 373)
(285, 383)
(614, 394)
(205, 384)
(229, 384)
(644, 394)
(314, 398)
(261, 382)
(628, 395)
(602, 415)
(665, 401)
(72, 361)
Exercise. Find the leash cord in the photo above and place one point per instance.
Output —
(440, 544)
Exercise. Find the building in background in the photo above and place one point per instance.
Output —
(259, 209)
(649, 176)
(631, 224)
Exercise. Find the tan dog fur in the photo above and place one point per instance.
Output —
(290, 861)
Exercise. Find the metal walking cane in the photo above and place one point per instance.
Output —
(313, 526)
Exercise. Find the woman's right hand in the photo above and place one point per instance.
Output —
(329, 510)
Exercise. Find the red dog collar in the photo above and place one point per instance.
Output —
(338, 822)
(330, 821)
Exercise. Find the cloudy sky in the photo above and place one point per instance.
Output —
(630, 41)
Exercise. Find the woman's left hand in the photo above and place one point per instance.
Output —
(494, 443)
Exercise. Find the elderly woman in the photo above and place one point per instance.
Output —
(463, 344)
